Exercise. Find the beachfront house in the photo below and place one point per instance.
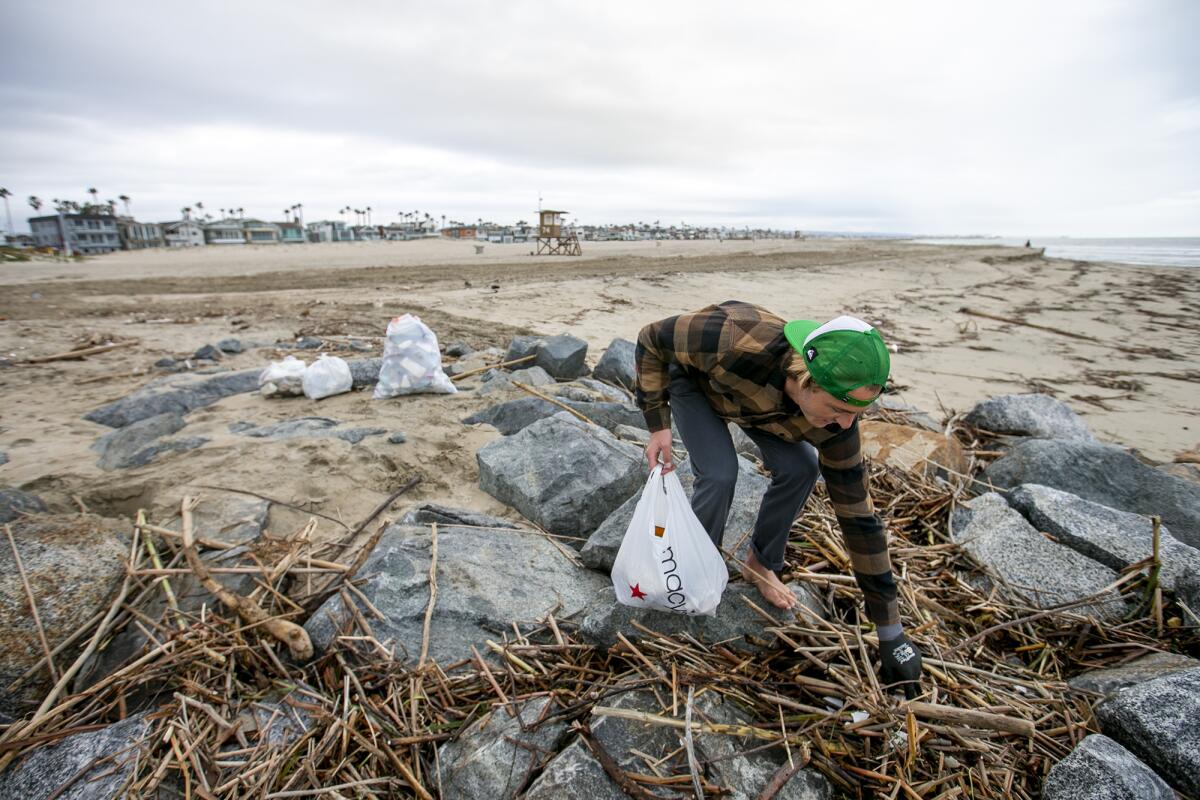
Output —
(365, 233)
(182, 233)
(328, 231)
(463, 232)
(259, 232)
(290, 232)
(139, 235)
(224, 232)
(87, 234)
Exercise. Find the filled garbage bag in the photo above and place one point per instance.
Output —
(412, 362)
(328, 376)
(666, 560)
(282, 378)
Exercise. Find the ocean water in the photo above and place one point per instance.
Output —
(1173, 252)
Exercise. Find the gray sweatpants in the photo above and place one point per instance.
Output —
(793, 467)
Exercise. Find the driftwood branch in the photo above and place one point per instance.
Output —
(972, 718)
(291, 634)
(72, 355)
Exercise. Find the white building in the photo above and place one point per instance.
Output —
(87, 234)
(184, 233)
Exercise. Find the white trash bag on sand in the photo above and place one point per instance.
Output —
(327, 376)
(412, 362)
(666, 560)
(282, 378)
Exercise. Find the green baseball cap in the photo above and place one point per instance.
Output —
(842, 355)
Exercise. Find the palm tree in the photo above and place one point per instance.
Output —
(5, 193)
(112, 208)
(124, 198)
(241, 213)
(186, 211)
(368, 215)
(35, 202)
(94, 192)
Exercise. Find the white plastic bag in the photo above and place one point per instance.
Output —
(282, 378)
(412, 362)
(666, 560)
(327, 376)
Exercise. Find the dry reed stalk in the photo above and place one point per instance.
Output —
(33, 609)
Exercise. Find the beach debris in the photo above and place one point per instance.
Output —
(82, 352)
(1112, 537)
(412, 362)
(1037, 415)
(1110, 680)
(81, 766)
(327, 376)
(563, 356)
(15, 503)
(1103, 474)
(231, 346)
(488, 580)
(496, 756)
(513, 416)
(1101, 768)
(601, 547)
(1045, 574)
(564, 474)
(616, 366)
(912, 450)
(180, 393)
(305, 428)
(282, 378)
(1156, 720)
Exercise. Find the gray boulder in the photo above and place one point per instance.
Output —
(616, 366)
(230, 518)
(495, 757)
(563, 356)
(736, 623)
(75, 564)
(912, 415)
(282, 717)
(1110, 680)
(1114, 538)
(134, 445)
(1103, 474)
(502, 381)
(207, 353)
(515, 415)
(601, 548)
(306, 428)
(522, 346)
(364, 372)
(488, 579)
(1101, 769)
(174, 394)
(1157, 721)
(308, 343)
(743, 445)
(1038, 415)
(231, 346)
(105, 757)
(459, 349)
(562, 473)
(427, 513)
(1045, 574)
(14, 503)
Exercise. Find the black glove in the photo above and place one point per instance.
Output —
(901, 661)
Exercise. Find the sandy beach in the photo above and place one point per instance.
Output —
(1123, 353)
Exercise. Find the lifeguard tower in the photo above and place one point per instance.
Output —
(552, 240)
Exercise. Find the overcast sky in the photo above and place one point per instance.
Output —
(1020, 118)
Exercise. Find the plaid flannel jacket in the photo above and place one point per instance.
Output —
(737, 354)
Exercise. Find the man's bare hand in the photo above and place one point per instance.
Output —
(660, 446)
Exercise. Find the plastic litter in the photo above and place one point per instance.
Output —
(328, 376)
(282, 378)
(412, 362)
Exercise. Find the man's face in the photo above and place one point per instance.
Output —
(823, 409)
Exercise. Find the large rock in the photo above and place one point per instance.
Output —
(487, 580)
(136, 444)
(912, 450)
(75, 564)
(1157, 721)
(601, 548)
(1038, 415)
(306, 428)
(105, 757)
(563, 356)
(515, 415)
(1112, 537)
(562, 473)
(912, 416)
(364, 372)
(1110, 680)
(736, 623)
(616, 366)
(1045, 574)
(179, 395)
(495, 757)
(1101, 769)
(503, 381)
(14, 503)
(1103, 474)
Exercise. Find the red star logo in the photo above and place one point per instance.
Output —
(636, 591)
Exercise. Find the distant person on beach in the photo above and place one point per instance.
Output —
(796, 389)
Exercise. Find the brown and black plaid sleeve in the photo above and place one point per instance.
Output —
(739, 348)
